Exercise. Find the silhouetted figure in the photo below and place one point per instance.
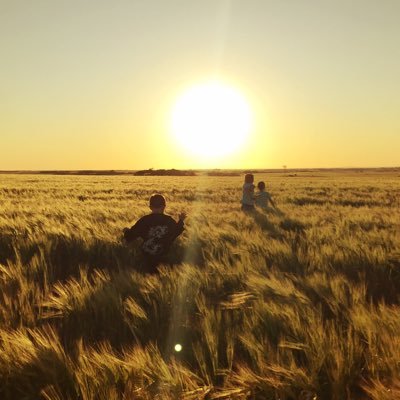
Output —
(263, 198)
(248, 193)
(158, 231)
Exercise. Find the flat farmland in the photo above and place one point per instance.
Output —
(299, 302)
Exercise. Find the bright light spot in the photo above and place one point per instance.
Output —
(178, 347)
(211, 120)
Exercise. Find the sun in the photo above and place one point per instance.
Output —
(211, 120)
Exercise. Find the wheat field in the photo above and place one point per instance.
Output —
(302, 302)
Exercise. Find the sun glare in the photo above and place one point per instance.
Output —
(211, 120)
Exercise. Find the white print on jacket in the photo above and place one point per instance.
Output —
(152, 245)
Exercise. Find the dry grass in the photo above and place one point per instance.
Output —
(301, 303)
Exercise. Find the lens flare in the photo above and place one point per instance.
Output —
(178, 347)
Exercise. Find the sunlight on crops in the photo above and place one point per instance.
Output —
(296, 303)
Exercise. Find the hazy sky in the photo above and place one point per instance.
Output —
(91, 84)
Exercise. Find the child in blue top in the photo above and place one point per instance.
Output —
(263, 197)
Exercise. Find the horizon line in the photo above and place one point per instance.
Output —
(122, 171)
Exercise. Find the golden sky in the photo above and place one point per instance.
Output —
(91, 84)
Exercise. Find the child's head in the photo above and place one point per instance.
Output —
(157, 203)
(261, 186)
(249, 178)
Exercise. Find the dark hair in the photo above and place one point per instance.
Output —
(157, 201)
(261, 185)
(249, 178)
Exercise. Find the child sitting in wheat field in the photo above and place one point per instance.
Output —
(157, 231)
(263, 198)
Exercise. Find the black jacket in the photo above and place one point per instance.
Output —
(158, 231)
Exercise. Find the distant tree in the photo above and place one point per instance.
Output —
(284, 168)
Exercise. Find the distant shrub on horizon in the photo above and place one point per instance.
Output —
(164, 172)
(223, 173)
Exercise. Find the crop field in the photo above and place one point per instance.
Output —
(297, 303)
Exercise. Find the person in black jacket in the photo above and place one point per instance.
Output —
(158, 231)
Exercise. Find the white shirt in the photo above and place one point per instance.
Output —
(262, 199)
